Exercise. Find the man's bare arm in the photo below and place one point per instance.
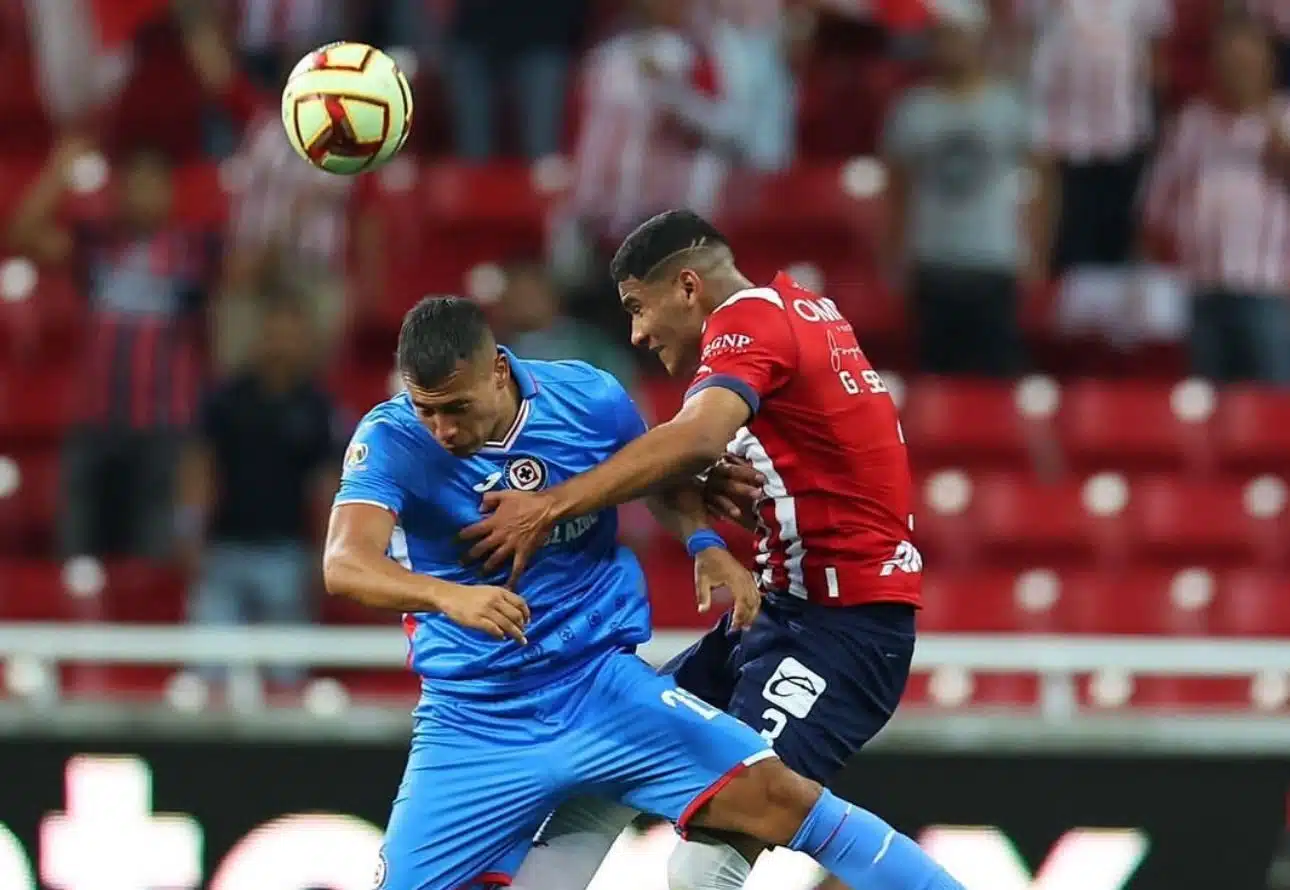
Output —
(687, 444)
(355, 564)
(680, 510)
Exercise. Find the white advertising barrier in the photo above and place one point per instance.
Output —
(109, 838)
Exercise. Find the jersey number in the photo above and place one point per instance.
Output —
(872, 381)
(777, 720)
(680, 698)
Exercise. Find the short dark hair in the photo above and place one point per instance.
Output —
(660, 237)
(437, 334)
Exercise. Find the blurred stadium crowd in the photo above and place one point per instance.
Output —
(1062, 225)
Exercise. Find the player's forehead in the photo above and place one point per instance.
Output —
(635, 290)
(458, 385)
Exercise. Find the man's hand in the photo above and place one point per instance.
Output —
(732, 489)
(716, 567)
(517, 524)
(494, 610)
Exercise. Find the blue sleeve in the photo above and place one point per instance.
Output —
(630, 424)
(378, 467)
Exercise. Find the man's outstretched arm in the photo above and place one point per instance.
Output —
(687, 444)
(518, 522)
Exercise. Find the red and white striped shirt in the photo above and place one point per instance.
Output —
(282, 200)
(836, 524)
(266, 24)
(633, 160)
(1212, 197)
(1091, 73)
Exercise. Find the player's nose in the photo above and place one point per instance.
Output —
(444, 431)
(640, 339)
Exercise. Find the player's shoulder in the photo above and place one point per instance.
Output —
(394, 419)
(752, 310)
(573, 378)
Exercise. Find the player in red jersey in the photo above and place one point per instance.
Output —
(780, 381)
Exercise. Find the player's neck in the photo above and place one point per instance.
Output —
(722, 288)
(507, 418)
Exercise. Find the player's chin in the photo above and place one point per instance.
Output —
(667, 359)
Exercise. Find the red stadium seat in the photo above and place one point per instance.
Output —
(1177, 521)
(1022, 523)
(36, 401)
(27, 512)
(144, 592)
(1252, 430)
(1253, 604)
(1141, 601)
(45, 326)
(33, 591)
(984, 602)
(1128, 426)
(965, 423)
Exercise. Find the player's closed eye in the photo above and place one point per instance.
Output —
(451, 408)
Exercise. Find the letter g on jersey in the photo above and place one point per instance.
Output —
(794, 688)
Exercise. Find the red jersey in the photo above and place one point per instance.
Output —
(835, 525)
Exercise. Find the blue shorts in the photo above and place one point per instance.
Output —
(482, 776)
(818, 681)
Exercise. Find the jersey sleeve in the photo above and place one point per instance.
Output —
(630, 423)
(378, 467)
(748, 348)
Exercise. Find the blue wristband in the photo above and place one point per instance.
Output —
(702, 540)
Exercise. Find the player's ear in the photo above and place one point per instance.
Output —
(689, 282)
(501, 369)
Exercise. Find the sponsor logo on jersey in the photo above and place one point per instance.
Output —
(906, 559)
(382, 869)
(489, 483)
(526, 474)
(818, 309)
(571, 529)
(794, 688)
(725, 343)
(356, 456)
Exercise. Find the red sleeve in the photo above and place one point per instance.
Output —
(748, 348)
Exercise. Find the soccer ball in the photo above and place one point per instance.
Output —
(347, 108)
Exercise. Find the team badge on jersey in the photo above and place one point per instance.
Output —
(356, 456)
(382, 867)
(526, 474)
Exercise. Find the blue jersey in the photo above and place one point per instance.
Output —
(585, 592)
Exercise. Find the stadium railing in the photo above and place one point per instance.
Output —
(1059, 720)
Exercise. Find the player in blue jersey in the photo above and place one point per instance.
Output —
(531, 695)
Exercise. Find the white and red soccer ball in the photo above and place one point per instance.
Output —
(347, 108)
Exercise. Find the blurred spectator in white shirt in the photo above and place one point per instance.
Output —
(1094, 66)
(1217, 201)
(287, 219)
(749, 38)
(957, 152)
(668, 109)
